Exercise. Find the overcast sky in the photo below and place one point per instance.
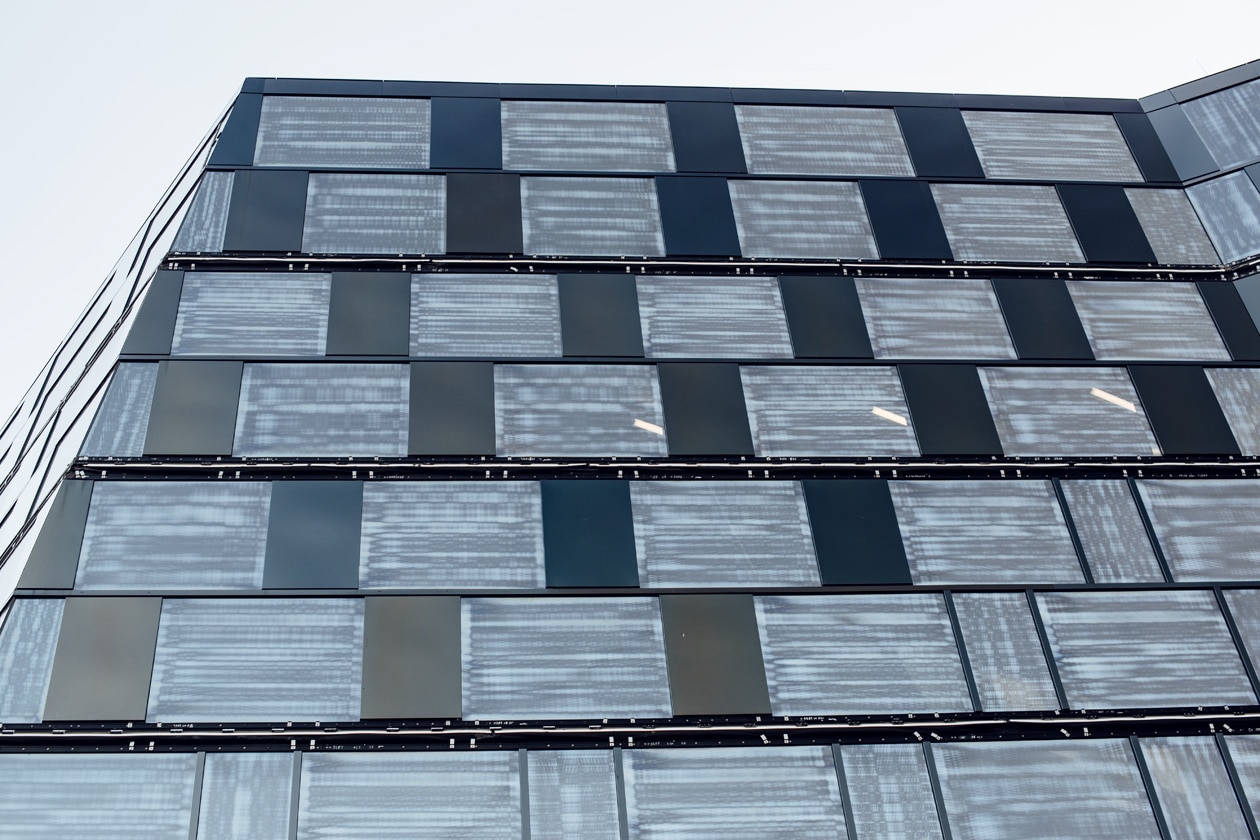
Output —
(105, 101)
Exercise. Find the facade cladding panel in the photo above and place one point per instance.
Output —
(759, 464)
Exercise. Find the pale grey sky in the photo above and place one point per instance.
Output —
(106, 101)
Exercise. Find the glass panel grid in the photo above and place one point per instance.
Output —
(360, 213)
(699, 317)
(122, 421)
(332, 131)
(485, 316)
(945, 318)
(1006, 223)
(1230, 210)
(252, 314)
(591, 217)
(1051, 147)
(1207, 528)
(1194, 790)
(1174, 231)
(1146, 321)
(802, 219)
(587, 136)
(791, 140)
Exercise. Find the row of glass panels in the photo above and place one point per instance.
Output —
(464, 535)
(538, 658)
(582, 410)
(496, 316)
(1229, 123)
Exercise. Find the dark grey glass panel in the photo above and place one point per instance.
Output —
(1006, 222)
(104, 656)
(1111, 532)
(599, 315)
(1183, 410)
(411, 657)
(1185, 147)
(483, 214)
(1230, 209)
(353, 132)
(205, 225)
(699, 317)
(939, 143)
(313, 535)
(267, 211)
(452, 409)
(368, 314)
(804, 219)
(194, 408)
(359, 213)
(790, 140)
(825, 318)
(155, 323)
(854, 526)
(245, 795)
(28, 641)
(905, 221)
(1171, 227)
(1041, 318)
(1147, 149)
(235, 144)
(1207, 528)
(119, 427)
(1105, 223)
(572, 793)
(696, 216)
(252, 314)
(704, 409)
(1144, 320)
(1051, 147)
(591, 217)
(714, 655)
(54, 559)
(706, 137)
(586, 137)
(949, 411)
(1004, 651)
(1238, 392)
(1228, 123)
(588, 530)
(465, 133)
(889, 791)
(1237, 328)
(1194, 789)
(490, 316)
(942, 318)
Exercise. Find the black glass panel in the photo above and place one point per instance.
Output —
(588, 533)
(483, 214)
(1182, 409)
(704, 407)
(54, 558)
(855, 532)
(706, 137)
(939, 144)
(951, 416)
(1182, 143)
(104, 659)
(267, 212)
(411, 658)
(154, 326)
(905, 221)
(713, 653)
(313, 535)
(1147, 150)
(369, 314)
(194, 408)
(697, 217)
(465, 134)
(599, 315)
(235, 146)
(1232, 320)
(1105, 224)
(452, 408)
(825, 318)
(1042, 318)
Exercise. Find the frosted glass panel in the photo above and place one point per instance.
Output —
(698, 317)
(1111, 531)
(1193, 788)
(358, 213)
(827, 411)
(241, 314)
(1146, 321)
(804, 219)
(1004, 651)
(889, 791)
(1051, 147)
(1244, 606)
(573, 793)
(1230, 210)
(860, 654)
(1171, 226)
(933, 319)
(541, 658)
(790, 140)
(175, 535)
(975, 531)
(1229, 123)
(122, 421)
(28, 642)
(203, 228)
(591, 217)
(484, 316)
(451, 535)
(246, 796)
(1208, 527)
(587, 136)
(333, 131)
(1245, 751)
(999, 222)
(262, 659)
(1238, 392)
(735, 793)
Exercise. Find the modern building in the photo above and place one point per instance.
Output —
(494, 460)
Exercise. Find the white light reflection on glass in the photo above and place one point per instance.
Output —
(649, 427)
(1112, 398)
(888, 415)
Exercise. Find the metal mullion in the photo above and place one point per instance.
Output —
(1240, 645)
(1148, 783)
(937, 795)
(1150, 531)
(972, 688)
(1235, 781)
(1077, 545)
(846, 804)
(1046, 651)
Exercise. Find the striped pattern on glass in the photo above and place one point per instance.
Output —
(976, 531)
(1244, 606)
(1052, 790)
(1238, 392)
(587, 136)
(735, 793)
(1006, 223)
(203, 228)
(1004, 651)
(554, 658)
(827, 411)
(1146, 320)
(1067, 411)
(572, 793)
(1133, 650)
(451, 535)
(28, 642)
(591, 217)
(860, 655)
(945, 318)
(261, 659)
(104, 797)
(175, 535)
(1245, 752)
(1193, 788)
(792, 140)
(1174, 231)
(889, 791)
(472, 796)
(699, 317)
(245, 795)
(361, 213)
(1051, 147)
(122, 421)
(1207, 528)
(332, 410)
(487, 316)
(252, 314)
(334, 131)
(721, 533)
(1111, 531)
(1229, 123)
(578, 410)
(1230, 210)
(802, 219)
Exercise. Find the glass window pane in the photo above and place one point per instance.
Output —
(587, 136)
(1117, 650)
(1245, 751)
(591, 217)
(550, 658)
(860, 655)
(1005, 652)
(984, 532)
(1146, 320)
(1229, 123)
(806, 219)
(122, 421)
(999, 222)
(910, 318)
(1230, 210)
(1111, 531)
(245, 795)
(357, 213)
(241, 314)
(1238, 391)
(263, 659)
(1207, 528)
(889, 791)
(1193, 787)
(1067, 411)
(175, 535)
(1171, 226)
(790, 140)
(451, 535)
(708, 317)
(28, 642)
(827, 411)
(572, 793)
(1244, 606)
(1051, 147)
(722, 533)
(334, 131)
(484, 316)
(203, 228)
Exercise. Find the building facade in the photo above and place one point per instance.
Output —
(464, 460)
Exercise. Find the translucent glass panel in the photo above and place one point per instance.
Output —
(1067, 411)
(28, 642)
(722, 533)
(1055, 791)
(1229, 123)
(889, 791)
(803, 219)
(736, 793)
(1112, 532)
(245, 795)
(484, 316)
(1004, 651)
(827, 411)
(203, 228)
(1171, 226)
(790, 140)
(984, 532)
(1245, 751)
(944, 318)
(242, 314)
(1230, 210)
(469, 795)
(175, 535)
(1146, 321)
(451, 535)
(1207, 528)
(860, 654)
(1143, 649)
(1194, 790)
(333, 131)
(551, 658)
(698, 317)
(610, 410)
(1244, 606)
(1051, 147)
(105, 797)
(121, 422)
(359, 213)
(587, 136)
(335, 410)
(1000, 222)
(1238, 391)
(573, 793)
(591, 217)
(264, 659)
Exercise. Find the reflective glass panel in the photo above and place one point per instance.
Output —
(203, 228)
(1194, 790)
(1004, 222)
(1229, 123)
(793, 140)
(238, 314)
(1146, 321)
(944, 318)
(587, 136)
(699, 317)
(28, 642)
(1207, 528)
(488, 316)
(1245, 751)
(805, 219)
(1111, 531)
(1051, 147)
(1004, 651)
(889, 791)
(360, 213)
(335, 131)
(1244, 606)
(572, 793)
(1174, 231)
(122, 421)
(591, 217)
(245, 795)
(1238, 392)
(1230, 210)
